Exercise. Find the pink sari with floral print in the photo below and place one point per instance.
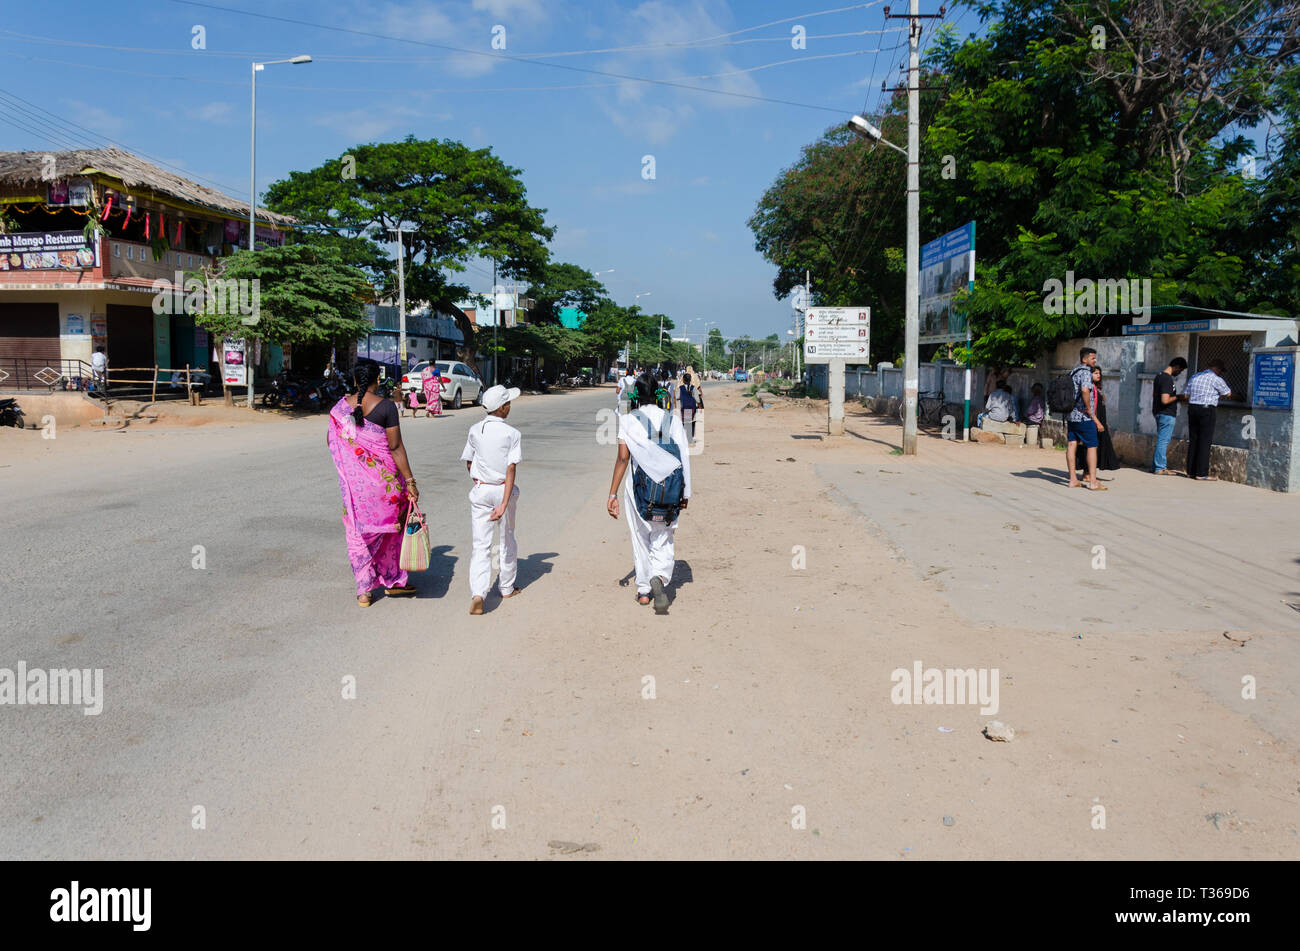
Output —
(432, 383)
(374, 499)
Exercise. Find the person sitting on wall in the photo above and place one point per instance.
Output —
(1000, 406)
(1037, 409)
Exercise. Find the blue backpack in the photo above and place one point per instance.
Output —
(659, 502)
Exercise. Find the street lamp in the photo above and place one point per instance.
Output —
(252, 176)
(911, 327)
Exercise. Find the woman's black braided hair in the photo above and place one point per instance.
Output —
(364, 375)
(646, 385)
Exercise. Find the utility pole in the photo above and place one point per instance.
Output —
(803, 315)
(401, 300)
(911, 329)
(494, 321)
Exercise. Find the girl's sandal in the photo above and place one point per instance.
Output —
(404, 590)
(643, 599)
(364, 600)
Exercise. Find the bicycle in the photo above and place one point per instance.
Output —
(929, 408)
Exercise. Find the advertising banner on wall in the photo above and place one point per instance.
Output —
(233, 370)
(47, 251)
(947, 268)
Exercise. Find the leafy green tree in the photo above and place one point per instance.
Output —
(564, 285)
(306, 296)
(717, 351)
(1113, 160)
(461, 203)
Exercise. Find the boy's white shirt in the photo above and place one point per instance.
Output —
(647, 455)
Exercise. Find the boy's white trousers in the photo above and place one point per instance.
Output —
(482, 500)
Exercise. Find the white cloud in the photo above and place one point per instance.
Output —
(651, 124)
(213, 112)
(711, 237)
(93, 117)
(654, 114)
(361, 125)
(628, 188)
(506, 9)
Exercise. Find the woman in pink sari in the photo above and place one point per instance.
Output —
(375, 480)
(432, 390)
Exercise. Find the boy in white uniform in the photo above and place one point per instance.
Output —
(653, 555)
(492, 451)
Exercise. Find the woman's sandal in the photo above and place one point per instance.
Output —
(364, 600)
(643, 599)
(404, 590)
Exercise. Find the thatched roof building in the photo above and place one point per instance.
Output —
(22, 172)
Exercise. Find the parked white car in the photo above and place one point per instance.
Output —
(460, 384)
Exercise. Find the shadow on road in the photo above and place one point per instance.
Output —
(1046, 475)
(434, 581)
(534, 566)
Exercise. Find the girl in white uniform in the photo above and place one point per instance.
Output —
(653, 556)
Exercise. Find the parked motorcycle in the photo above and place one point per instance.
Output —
(10, 413)
(282, 391)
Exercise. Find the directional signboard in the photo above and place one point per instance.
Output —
(856, 316)
(837, 333)
(823, 332)
(836, 350)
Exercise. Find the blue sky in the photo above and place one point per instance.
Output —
(127, 73)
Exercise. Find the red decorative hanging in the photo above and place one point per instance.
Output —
(178, 232)
(107, 208)
(128, 216)
(146, 226)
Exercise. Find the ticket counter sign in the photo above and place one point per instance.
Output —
(1274, 380)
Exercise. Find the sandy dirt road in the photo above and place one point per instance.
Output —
(772, 678)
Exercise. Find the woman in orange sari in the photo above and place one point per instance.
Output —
(365, 442)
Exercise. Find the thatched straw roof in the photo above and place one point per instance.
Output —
(24, 169)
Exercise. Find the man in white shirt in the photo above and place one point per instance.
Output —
(99, 367)
(643, 434)
(493, 449)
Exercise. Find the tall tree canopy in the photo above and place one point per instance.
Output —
(564, 285)
(1103, 137)
(459, 203)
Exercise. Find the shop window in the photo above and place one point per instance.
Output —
(1233, 350)
(117, 250)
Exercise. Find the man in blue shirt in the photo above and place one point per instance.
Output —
(1082, 425)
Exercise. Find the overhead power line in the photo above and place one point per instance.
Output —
(517, 59)
(35, 114)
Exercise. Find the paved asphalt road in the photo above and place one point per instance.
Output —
(223, 685)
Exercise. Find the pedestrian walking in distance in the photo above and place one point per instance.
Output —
(653, 440)
(365, 441)
(690, 404)
(1164, 406)
(493, 449)
(431, 383)
(1082, 425)
(1203, 392)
